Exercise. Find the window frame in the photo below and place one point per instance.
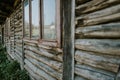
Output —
(58, 24)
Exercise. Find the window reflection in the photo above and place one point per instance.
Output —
(26, 19)
(35, 18)
(49, 19)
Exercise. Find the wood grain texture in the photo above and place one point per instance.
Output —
(39, 71)
(100, 13)
(103, 46)
(95, 5)
(52, 63)
(68, 39)
(45, 68)
(93, 73)
(97, 61)
(111, 30)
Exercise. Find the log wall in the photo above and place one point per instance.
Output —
(97, 44)
(41, 61)
(97, 39)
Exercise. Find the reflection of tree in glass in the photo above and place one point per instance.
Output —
(26, 25)
(26, 28)
(49, 31)
(35, 31)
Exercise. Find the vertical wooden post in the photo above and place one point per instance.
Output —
(23, 54)
(68, 42)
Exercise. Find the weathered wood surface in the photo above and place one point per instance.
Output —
(80, 78)
(39, 71)
(45, 58)
(78, 2)
(93, 73)
(97, 57)
(17, 57)
(53, 50)
(95, 5)
(111, 30)
(68, 39)
(45, 53)
(52, 63)
(18, 30)
(45, 68)
(99, 20)
(109, 18)
(18, 52)
(97, 61)
(101, 13)
(103, 46)
(48, 48)
(97, 39)
(118, 75)
(32, 73)
(18, 48)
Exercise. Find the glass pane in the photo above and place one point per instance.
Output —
(26, 19)
(35, 19)
(49, 20)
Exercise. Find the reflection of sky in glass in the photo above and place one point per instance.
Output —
(49, 19)
(35, 12)
(49, 12)
(35, 18)
(26, 18)
(49, 7)
(26, 11)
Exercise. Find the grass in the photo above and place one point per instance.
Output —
(10, 70)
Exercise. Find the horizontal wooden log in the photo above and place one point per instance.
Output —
(97, 57)
(53, 64)
(33, 73)
(18, 44)
(54, 50)
(42, 43)
(103, 46)
(18, 20)
(18, 30)
(118, 76)
(18, 41)
(48, 48)
(95, 5)
(29, 44)
(111, 30)
(100, 13)
(18, 36)
(18, 48)
(18, 58)
(80, 78)
(19, 33)
(78, 2)
(93, 73)
(97, 61)
(45, 53)
(109, 18)
(45, 68)
(11, 55)
(18, 52)
(39, 71)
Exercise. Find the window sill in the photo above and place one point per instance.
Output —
(43, 42)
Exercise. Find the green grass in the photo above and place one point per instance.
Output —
(10, 70)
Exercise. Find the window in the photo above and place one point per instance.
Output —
(42, 20)
(35, 19)
(49, 30)
(26, 19)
